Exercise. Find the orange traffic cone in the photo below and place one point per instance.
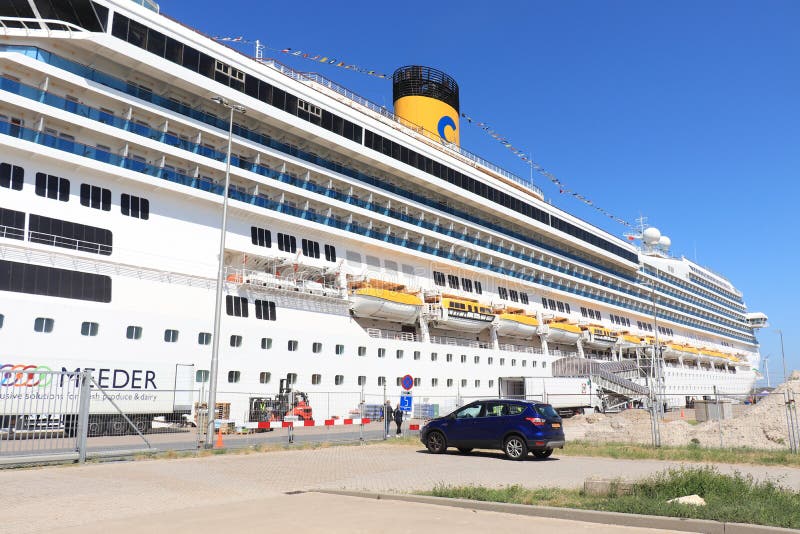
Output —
(681, 413)
(219, 444)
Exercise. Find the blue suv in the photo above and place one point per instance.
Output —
(515, 427)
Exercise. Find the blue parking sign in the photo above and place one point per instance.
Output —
(406, 403)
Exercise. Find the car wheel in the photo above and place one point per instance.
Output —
(465, 450)
(435, 442)
(543, 454)
(515, 448)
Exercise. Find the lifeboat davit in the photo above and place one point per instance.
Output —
(373, 303)
(598, 337)
(560, 331)
(516, 325)
(463, 315)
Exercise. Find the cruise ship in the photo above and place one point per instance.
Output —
(361, 244)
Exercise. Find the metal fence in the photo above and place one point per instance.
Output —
(49, 416)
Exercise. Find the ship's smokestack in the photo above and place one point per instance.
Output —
(428, 98)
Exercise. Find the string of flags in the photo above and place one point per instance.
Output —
(524, 156)
(318, 58)
(500, 138)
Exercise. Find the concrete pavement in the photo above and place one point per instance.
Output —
(169, 492)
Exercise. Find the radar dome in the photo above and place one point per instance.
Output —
(651, 236)
(664, 243)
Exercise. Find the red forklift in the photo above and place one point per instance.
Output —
(288, 404)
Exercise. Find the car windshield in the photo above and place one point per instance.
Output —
(547, 411)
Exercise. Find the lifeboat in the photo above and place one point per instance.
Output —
(598, 337)
(516, 325)
(463, 315)
(629, 340)
(560, 331)
(375, 303)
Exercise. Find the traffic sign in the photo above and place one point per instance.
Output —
(407, 382)
(406, 403)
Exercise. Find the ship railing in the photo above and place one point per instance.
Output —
(12, 232)
(407, 127)
(266, 280)
(389, 334)
(29, 25)
(68, 242)
(149, 4)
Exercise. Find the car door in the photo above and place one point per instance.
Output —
(460, 430)
(491, 427)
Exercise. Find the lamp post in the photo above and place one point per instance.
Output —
(214, 369)
(656, 373)
(783, 356)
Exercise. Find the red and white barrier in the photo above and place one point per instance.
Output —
(296, 424)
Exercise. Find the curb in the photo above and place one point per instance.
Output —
(591, 516)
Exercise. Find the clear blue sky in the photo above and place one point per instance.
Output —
(686, 112)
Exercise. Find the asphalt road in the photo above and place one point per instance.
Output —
(249, 491)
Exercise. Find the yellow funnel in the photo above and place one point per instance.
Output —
(427, 98)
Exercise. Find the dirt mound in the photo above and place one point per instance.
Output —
(760, 426)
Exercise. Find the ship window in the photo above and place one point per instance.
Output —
(381, 353)
(533, 363)
(265, 310)
(544, 364)
(438, 278)
(170, 336)
(502, 361)
(463, 382)
(316, 379)
(552, 304)
(452, 281)
(309, 108)
(134, 206)
(449, 382)
(291, 378)
(560, 306)
(43, 324)
(362, 351)
(338, 380)
(502, 293)
(490, 360)
(362, 380)
(310, 248)
(466, 283)
(261, 237)
(51, 186)
(448, 357)
(491, 383)
(513, 295)
(513, 362)
(417, 354)
(566, 307)
(236, 341)
(463, 358)
(201, 375)
(133, 332)
(53, 282)
(399, 354)
(234, 377)
(477, 383)
(266, 343)
(477, 359)
(292, 345)
(523, 298)
(399, 380)
(236, 306)
(584, 312)
(381, 380)
(70, 235)
(434, 356)
(204, 338)
(330, 253)
(316, 347)
(89, 328)
(417, 382)
(95, 197)
(12, 224)
(264, 377)
(287, 243)
(11, 176)
(478, 288)
(524, 363)
(339, 350)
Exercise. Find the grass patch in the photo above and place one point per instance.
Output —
(730, 498)
(692, 453)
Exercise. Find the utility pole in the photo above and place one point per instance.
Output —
(783, 355)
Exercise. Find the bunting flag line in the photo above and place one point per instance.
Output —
(317, 58)
(562, 189)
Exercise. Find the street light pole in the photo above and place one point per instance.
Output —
(783, 356)
(214, 369)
